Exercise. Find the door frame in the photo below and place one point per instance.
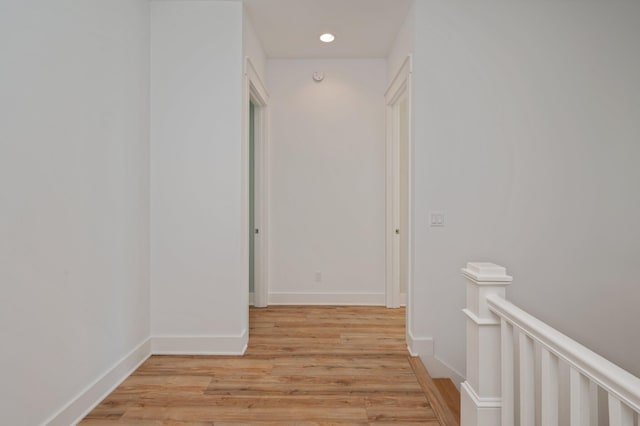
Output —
(399, 89)
(257, 94)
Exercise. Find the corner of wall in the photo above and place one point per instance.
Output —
(419, 346)
(86, 400)
(403, 44)
(440, 369)
(423, 347)
(94, 393)
(200, 345)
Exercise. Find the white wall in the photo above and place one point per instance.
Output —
(526, 129)
(73, 199)
(403, 44)
(252, 47)
(199, 270)
(327, 181)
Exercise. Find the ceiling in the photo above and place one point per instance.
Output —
(363, 28)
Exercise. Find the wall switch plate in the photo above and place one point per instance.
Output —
(436, 219)
(318, 276)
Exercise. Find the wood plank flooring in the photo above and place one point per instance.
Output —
(451, 396)
(304, 366)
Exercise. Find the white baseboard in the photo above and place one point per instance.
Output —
(423, 347)
(419, 346)
(403, 299)
(439, 369)
(92, 395)
(251, 299)
(362, 299)
(475, 410)
(200, 345)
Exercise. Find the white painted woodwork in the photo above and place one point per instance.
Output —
(611, 378)
(481, 403)
(589, 373)
(507, 349)
(579, 393)
(593, 403)
(527, 381)
(619, 414)
(399, 244)
(549, 388)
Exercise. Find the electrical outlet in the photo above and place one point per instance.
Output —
(436, 219)
(318, 276)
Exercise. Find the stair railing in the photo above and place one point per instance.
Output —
(515, 364)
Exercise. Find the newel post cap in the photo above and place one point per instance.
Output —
(484, 272)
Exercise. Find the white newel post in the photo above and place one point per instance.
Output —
(480, 393)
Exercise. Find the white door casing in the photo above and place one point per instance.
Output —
(257, 94)
(398, 229)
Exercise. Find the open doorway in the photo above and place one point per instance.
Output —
(328, 153)
(398, 246)
(254, 231)
(257, 145)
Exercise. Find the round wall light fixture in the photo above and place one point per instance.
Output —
(327, 37)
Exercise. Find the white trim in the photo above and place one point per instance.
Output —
(424, 348)
(256, 92)
(611, 378)
(440, 369)
(299, 298)
(478, 411)
(486, 273)
(251, 295)
(480, 402)
(400, 87)
(86, 400)
(200, 345)
(251, 72)
(400, 78)
(419, 346)
(480, 321)
(403, 299)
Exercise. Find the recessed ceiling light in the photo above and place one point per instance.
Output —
(327, 37)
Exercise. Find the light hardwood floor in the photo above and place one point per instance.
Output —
(304, 366)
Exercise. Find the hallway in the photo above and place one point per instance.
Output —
(304, 365)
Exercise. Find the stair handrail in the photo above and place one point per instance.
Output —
(612, 378)
(503, 342)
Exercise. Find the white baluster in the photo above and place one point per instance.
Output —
(527, 383)
(580, 398)
(593, 403)
(550, 386)
(506, 335)
(619, 413)
(590, 375)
